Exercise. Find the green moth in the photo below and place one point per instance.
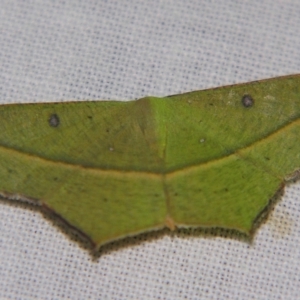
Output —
(211, 158)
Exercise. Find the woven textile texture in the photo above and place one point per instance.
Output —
(80, 50)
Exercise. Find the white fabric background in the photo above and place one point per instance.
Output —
(66, 50)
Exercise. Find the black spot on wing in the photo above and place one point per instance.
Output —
(247, 101)
(54, 120)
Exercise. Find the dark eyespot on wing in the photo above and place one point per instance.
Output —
(247, 101)
(54, 120)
